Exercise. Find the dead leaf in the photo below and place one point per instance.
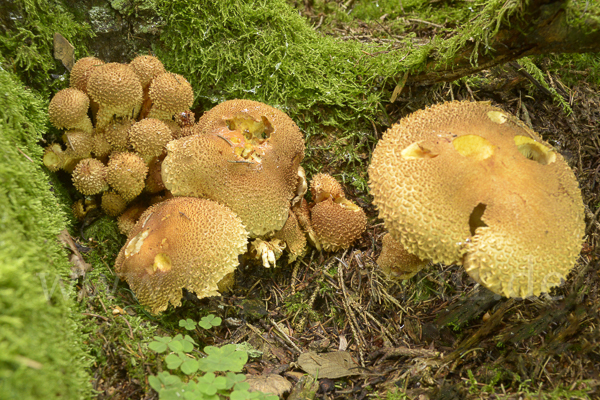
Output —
(64, 51)
(270, 383)
(328, 365)
(79, 267)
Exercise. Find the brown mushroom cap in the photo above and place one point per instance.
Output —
(323, 186)
(117, 90)
(170, 94)
(180, 243)
(396, 262)
(127, 174)
(100, 146)
(337, 224)
(81, 71)
(154, 183)
(147, 68)
(89, 177)
(258, 189)
(68, 110)
(149, 137)
(467, 182)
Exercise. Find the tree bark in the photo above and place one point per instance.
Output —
(542, 29)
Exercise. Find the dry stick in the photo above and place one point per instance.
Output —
(356, 333)
(284, 335)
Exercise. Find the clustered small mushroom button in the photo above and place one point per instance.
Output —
(468, 183)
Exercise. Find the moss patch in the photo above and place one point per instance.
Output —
(41, 353)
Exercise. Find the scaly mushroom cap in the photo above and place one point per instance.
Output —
(68, 110)
(467, 182)
(113, 204)
(149, 137)
(245, 155)
(79, 143)
(89, 177)
(81, 71)
(54, 158)
(117, 133)
(396, 262)
(323, 186)
(117, 90)
(100, 146)
(337, 224)
(127, 174)
(170, 94)
(180, 243)
(147, 68)
(131, 216)
(291, 234)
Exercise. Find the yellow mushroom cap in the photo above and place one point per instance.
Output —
(54, 157)
(291, 234)
(467, 182)
(81, 71)
(89, 177)
(208, 164)
(323, 186)
(117, 90)
(68, 110)
(149, 137)
(100, 146)
(113, 204)
(147, 68)
(180, 243)
(127, 174)
(337, 224)
(396, 262)
(170, 94)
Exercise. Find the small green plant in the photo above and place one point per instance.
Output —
(213, 377)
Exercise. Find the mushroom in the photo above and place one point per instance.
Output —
(117, 133)
(292, 235)
(81, 71)
(127, 174)
(117, 90)
(127, 220)
(68, 110)
(149, 137)
(170, 94)
(89, 177)
(147, 68)
(112, 203)
(468, 183)
(245, 155)
(79, 143)
(396, 262)
(180, 243)
(336, 221)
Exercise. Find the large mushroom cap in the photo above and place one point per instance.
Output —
(180, 243)
(245, 155)
(467, 182)
(117, 90)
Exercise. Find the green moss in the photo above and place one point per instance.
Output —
(41, 352)
(26, 40)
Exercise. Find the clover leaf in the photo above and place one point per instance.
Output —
(209, 321)
(225, 358)
(188, 324)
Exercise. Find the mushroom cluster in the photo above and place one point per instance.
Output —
(468, 183)
(117, 120)
(189, 195)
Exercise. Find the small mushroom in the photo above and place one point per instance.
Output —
(337, 222)
(89, 177)
(170, 94)
(127, 174)
(112, 203)
(180, 243)
(117, 90)
(68, 110)
(149, 137)
(396, 262)
(468, 183)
